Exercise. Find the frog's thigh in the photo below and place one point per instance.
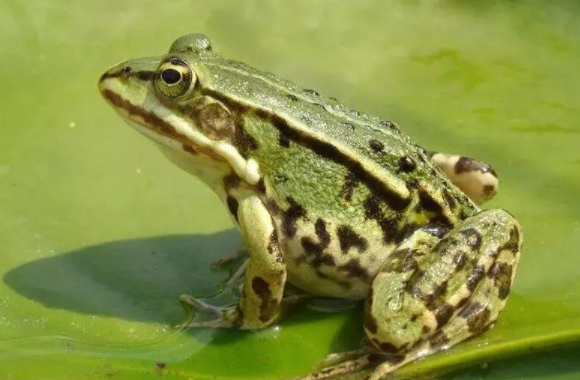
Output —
(476, 179)
(265, 276)
(424, 302)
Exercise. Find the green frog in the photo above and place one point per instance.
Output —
(330, 200)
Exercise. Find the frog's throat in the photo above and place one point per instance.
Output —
(162, 125)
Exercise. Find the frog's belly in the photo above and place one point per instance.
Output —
(332, 273)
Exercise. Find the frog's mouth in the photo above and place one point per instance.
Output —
(153, 119)
(152, 125)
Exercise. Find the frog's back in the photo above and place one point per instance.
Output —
(343, 187)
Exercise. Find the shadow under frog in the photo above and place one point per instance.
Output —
(142, 279)
(135, 279)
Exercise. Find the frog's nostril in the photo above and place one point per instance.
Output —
(127, 70)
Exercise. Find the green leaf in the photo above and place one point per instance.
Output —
(100, 234)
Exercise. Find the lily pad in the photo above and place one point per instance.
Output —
(100, 234)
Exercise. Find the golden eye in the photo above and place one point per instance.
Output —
(175, 78)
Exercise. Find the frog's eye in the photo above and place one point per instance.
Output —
(175, 78)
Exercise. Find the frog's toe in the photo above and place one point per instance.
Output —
(189, 302)
(347, 367)
(212, 316)
(193, 307)
(476, 179)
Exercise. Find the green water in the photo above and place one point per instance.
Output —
(99, 234)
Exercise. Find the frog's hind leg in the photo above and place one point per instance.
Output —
(475, 178)
(434, 293)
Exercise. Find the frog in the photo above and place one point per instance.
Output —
(328, 200)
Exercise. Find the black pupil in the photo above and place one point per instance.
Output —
(170, 76)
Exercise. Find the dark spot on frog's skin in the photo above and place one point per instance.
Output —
(322, 259)
(389, 348)
(466, 164)
(373, 211)
(428, 202)
(440, 220)
(501, 273)
(284, 141)
(294, 98)
(315, 249)
(320, 106)
(414, 278)
(477, 317)
(376, 145)
(406, 231)
(443, 315)
(354, 269)
(513, 244)
(160, 366)
(475, 277)
(439, 290)
(435, 301)
(242, 140)
(323, 238)
(231, 181)
(488, 190)
(261, 186)
(348, 126)
(233, 206)
(274, 247)
(350, 182)
(438, 340)
(311, 92)
(354, 112)
(406, 165)
(268, 304)
(472, 237)
(291, 216)
(348, 239)
(261, 288)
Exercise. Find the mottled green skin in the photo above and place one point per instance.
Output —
(317, 184)
(335, 202)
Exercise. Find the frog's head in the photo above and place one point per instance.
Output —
(163, 98)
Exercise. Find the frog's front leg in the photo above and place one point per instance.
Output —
(265, 276)
(476, 179)
(437, 289)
